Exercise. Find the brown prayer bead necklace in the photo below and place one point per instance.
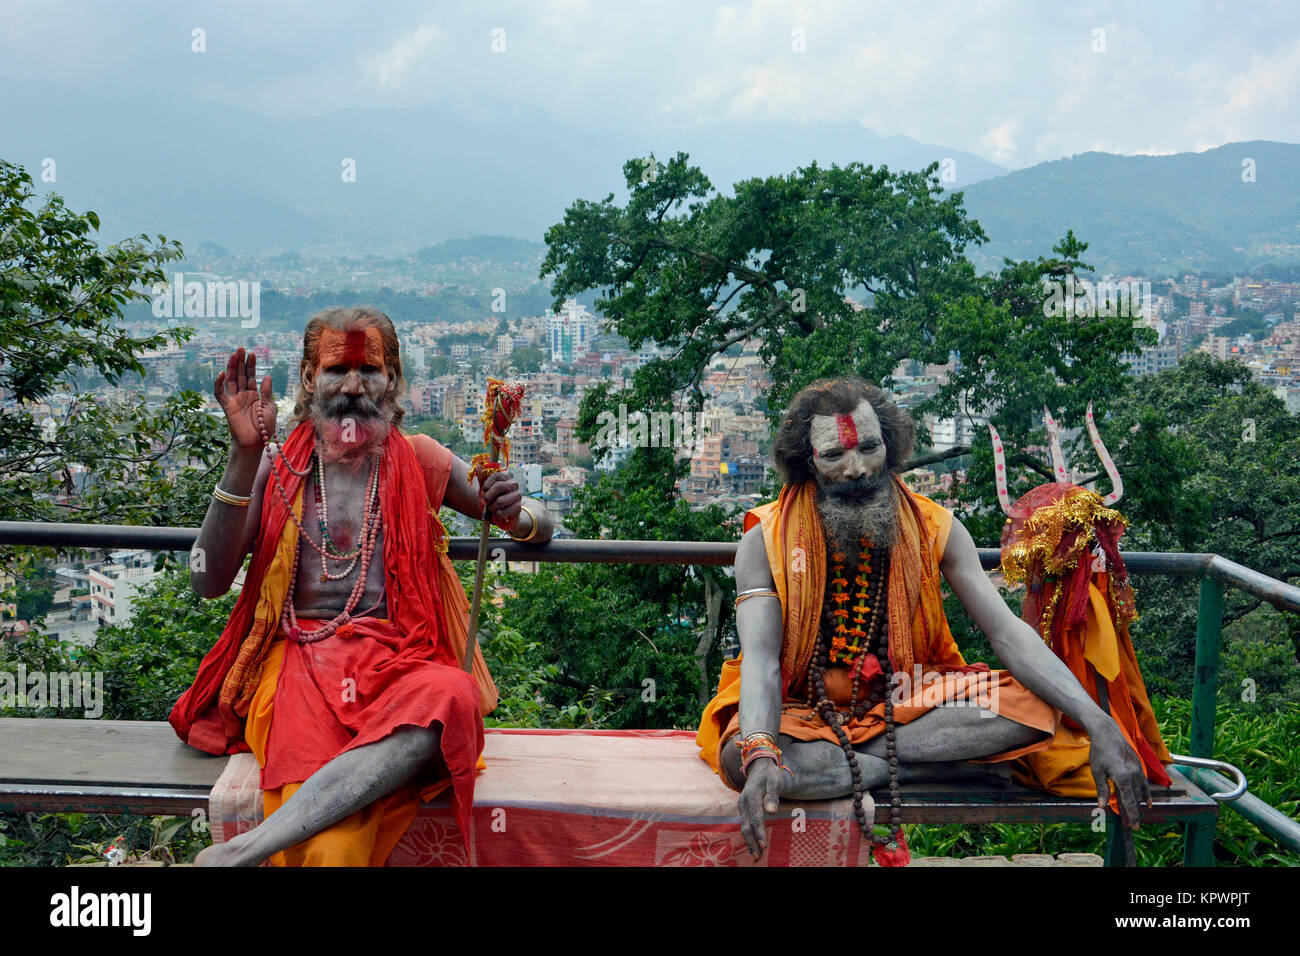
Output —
(874, 566)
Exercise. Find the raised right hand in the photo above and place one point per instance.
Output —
(238, 395)
(758, 799)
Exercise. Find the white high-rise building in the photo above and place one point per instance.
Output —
(570, 331)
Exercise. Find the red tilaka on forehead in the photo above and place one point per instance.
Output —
(847, 430)
(354, 348)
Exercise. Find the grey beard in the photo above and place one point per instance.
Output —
(847, 520)
(350, 431)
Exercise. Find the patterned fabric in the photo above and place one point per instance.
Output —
(235, 804)
(590, 798)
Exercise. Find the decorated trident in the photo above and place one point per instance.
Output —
(501, 407)
(1058, 460)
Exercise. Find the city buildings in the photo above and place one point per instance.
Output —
(569, 332)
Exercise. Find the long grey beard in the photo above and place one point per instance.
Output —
(350, 433)
(846, 521)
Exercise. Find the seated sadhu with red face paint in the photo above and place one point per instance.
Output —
(849, 678)
(340, 668)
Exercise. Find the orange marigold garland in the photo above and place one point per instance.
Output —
(846, 646)
(865, 648)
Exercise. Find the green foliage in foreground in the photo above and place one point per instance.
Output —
(1257, 740)
(58, 839)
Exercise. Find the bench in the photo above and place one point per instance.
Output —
(548, 797)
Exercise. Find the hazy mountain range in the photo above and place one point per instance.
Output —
(194, 170)
(1160, 214)
(156, 162)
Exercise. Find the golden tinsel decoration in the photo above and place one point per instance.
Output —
(1039, 538)
(1038, 541)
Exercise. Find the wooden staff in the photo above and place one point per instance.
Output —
(479, 569)
(501, 406)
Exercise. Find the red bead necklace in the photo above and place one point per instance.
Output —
(370, 524)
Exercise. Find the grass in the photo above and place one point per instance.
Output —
(1258, 740)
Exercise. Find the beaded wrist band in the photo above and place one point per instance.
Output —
(757, 745)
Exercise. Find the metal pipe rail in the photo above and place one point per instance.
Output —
(1281, 595)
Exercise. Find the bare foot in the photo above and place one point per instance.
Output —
(211, 856)
(226, 854)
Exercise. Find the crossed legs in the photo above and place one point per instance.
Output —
(935, 746)
(347, 783)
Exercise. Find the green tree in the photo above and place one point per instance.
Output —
(149, 661)
(629, 631)
(1210, 461)
(527, 359)
(65, 453)
(280, 377)
(697, 272)
(1017, 352)
(194, 377)
(34, 602)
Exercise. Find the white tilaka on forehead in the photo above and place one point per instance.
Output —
(827, 432)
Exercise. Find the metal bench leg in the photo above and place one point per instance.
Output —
(1199, 847)
(1119, 842)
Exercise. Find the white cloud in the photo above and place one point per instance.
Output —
(999, 142)
(393, 67)
(1262, 97)
(1015, 80)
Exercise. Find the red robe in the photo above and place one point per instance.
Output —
(406, 668)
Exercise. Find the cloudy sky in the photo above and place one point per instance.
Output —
(1014, 82)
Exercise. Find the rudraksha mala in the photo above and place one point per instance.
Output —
(874, 569)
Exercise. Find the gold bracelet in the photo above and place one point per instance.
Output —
(537, 525)
(755, 592)
(237, 501)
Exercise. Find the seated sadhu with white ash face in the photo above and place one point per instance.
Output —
(340, 667)
(839, 606)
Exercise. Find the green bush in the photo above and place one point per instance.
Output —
(1254, 738)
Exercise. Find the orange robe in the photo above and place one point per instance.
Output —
(920, 641)
(1062, 542)
(1099, 648)
(405, 670)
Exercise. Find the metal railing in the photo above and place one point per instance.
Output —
(1215, 573)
